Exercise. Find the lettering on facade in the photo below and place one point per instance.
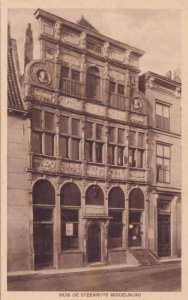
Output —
(42, 95)
(70, 168)
(95, 171)
(137, 174)
(70, 102)
(137, 119)
(115, 114)
(96, 109)
(70, 38)
(45, 164)
(117, 174)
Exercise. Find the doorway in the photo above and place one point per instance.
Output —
(164, 239)
(135, 232)
(94, 243)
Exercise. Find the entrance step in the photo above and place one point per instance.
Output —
(144, 257)
(96, 264)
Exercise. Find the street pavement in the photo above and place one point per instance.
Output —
(164, 277)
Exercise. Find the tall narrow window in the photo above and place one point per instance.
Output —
(136, 149)
(94, 142)
(162, 116)
(69, 138)
(70, 204)
(163, 163)
(70, 82)
(116, 95)
(116, 207)
(43, 132)
(93, 84)
(116, 146)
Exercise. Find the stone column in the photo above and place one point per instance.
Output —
(174, 227)
(57, 225)
(154, 225)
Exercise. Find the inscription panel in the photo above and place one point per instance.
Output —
(71, 168)
(70, 103)
(95, 109)
(117, 115)
(94, 211)
(137, 174)
(134, 118)
(95, 171)
(44, 164)
(116, 173)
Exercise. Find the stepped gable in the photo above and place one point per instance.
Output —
(83, 22)
(15, 100)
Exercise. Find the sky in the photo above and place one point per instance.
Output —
(155, 31)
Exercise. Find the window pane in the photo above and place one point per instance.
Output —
(63, 143)
(99, 132)
(140, 139)
(159, 110)
(111, 154)
(160, 150)
(159, 163)
(75, 127)
(75, 75)
(88, 130)
(49, 144)
(166, 123)
(64, 122)
(75, 149)
(99, 148)
(116, 216)
(42, 214)
(166, 164)
(93, 87)
(69, 215)
(36, 142)
(89, 151)
(132, 159)
(111, 134)
(112, 86)
(36, 119)
(121, 136)
(64, 72)
(140, 155)
(132, 138)
(166, 111)
(120, 155)
(166, 151)
(49, 121)
(159, 122)
(120, 89)
(166, 176)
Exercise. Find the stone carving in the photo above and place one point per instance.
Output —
(70, 102)
(42, 95)
(150, 82)
(46, 164)
(95, 171)
(106, 70)
(137, 119)
(43, 77)
(71, 168)
(127, 56)
(71, 59)
(57, 30)
(117, 173)
(83, 39)
(117, 115)
(106, 49)
(69, 37)
(83, 62)
(177, 92)
(137, 174)
(95, 109)
(116, 75)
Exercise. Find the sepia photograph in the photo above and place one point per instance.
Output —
(94, 158)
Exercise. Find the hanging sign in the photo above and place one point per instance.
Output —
(69, 229)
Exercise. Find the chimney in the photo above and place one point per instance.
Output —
(28, 55)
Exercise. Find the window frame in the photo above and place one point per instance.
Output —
(163, 158)
(115, 144)
(160, 120)
(93, 140)
(135, 160)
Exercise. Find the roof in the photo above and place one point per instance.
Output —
(83, 22)
(15, 100)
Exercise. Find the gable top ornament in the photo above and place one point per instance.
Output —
(83, 22)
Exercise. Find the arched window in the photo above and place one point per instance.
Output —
(116, 207)
(70, 204)
(43, 204)
(94, 195)
(93, 84)
(136, 199)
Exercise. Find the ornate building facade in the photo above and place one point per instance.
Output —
(93, 151)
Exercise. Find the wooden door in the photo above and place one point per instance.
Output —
(135, 233)
(94, 243)
(164, 240)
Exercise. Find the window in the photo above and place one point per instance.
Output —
(93, 84)
(43, 132)
(116, 208)
(163, 163)
(116, 145)
(70, 204)
(94, 142)
(94, 195)
(116, 95)
(70, 82)
(94, 46)
(162, 116)
(136, 149)
(69, 140)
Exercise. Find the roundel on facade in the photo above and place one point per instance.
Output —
(43, 77)
(137, 104)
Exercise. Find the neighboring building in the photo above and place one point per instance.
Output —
(94, 153)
